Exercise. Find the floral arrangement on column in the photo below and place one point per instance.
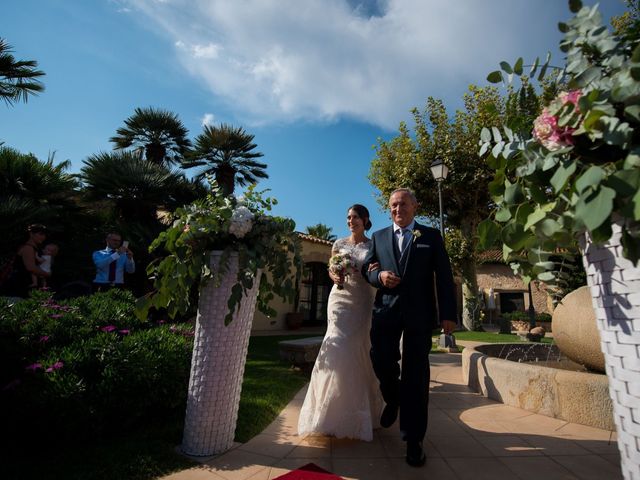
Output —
(264, 243)
(576, 178)
(237, 255)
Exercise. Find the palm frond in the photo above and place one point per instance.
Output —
(18, 78)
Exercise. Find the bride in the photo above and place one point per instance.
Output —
(343, 399)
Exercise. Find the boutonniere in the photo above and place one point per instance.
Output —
(416, 234)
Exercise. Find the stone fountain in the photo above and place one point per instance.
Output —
(563, 380)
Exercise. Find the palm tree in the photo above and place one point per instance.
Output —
(136, 189)
(322, 231)
(159, 133)
(33, 191)
(18, 78)
(227, 153)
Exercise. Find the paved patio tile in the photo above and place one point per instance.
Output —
(504, 445)
(435, 468)
(495, 412)
(478, 429)
(600, 447)
(590, 467)
(469, 437)
(533, 424)
(268, 445)
(584, 431)
(394, 447)
(479, 468)
(553, 446)
(442, 424)
(613, 459)
(364, 468)
(346, 448)
(196, 473)
(536, 468)
(312, 446)
(450, 447)
(239, 465)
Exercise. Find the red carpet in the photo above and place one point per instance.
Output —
(309, 472)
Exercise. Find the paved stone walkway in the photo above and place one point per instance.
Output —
(469, 437)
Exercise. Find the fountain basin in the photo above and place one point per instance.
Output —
(574, 396)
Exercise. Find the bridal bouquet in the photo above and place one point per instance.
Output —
(342, 265)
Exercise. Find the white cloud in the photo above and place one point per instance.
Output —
(209, 50)
(291, 60)
(207, 119)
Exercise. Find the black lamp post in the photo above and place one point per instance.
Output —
(532, 310)
(440, 171)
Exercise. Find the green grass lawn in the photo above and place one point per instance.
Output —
(268, 386)
(490, 337)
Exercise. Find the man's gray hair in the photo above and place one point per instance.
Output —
(408, 191)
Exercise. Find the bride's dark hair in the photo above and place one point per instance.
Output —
(363, 213)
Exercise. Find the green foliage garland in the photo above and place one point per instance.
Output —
(580, 172)
(264, 243)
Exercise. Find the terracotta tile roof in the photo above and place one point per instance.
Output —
(311, 238)
(490, 256)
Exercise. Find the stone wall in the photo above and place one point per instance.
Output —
(501, 278)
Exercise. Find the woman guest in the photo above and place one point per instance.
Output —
(25, 264)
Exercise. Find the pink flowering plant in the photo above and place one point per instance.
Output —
(579, 169)
(73, 357)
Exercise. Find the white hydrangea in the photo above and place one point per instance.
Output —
(241, 221)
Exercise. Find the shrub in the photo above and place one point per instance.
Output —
(88, 364)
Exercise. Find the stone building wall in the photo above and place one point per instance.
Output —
(313, 250)
(501, 278)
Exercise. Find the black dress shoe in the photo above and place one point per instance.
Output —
(389, 415)
(415, 454)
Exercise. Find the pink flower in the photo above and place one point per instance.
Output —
(124, 331)
(571, 96)
(56, 366)
(56, 315)
(546, 129)
(33, 367)
(173, 329)
(44, 338)
(109, 328)
(161, 322)
(186, 228)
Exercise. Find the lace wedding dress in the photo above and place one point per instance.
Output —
(343, 398)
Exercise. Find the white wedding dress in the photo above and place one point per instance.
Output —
(343, 399)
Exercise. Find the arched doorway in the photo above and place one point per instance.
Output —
(314, 293)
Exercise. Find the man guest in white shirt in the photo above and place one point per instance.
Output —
(111, 263)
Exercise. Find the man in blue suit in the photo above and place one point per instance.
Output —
(409, 266)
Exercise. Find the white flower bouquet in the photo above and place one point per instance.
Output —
(342, 265)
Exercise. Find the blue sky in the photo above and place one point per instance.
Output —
(316, 81)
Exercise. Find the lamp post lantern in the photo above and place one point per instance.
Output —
(440, 171)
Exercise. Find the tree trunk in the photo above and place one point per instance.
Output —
(226, 178)
(470, 304)
(155, 153)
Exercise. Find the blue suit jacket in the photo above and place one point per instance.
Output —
(426, 275)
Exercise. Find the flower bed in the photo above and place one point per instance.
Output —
(88, 365)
